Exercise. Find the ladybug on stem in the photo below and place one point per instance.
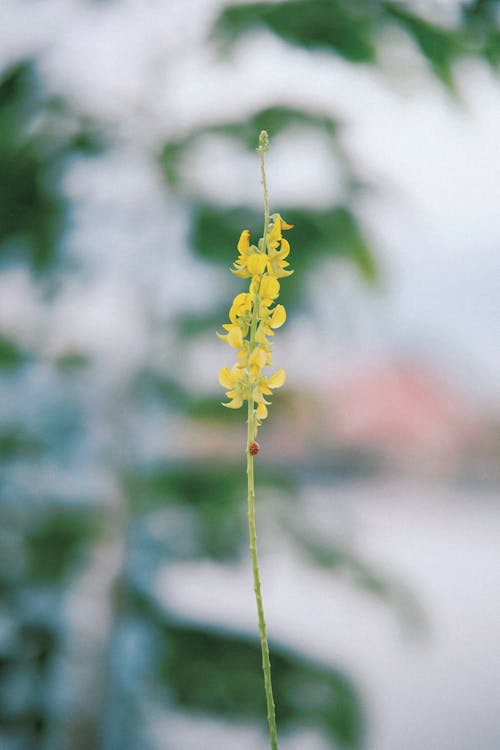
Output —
(254, 448)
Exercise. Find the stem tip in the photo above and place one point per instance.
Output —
(263, 141)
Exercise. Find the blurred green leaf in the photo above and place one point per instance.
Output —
(30, 209)
(17, 444)
(215, 231)
(440, 46)
(491, 48)
(191, 324)
(277, 119)
(344, 26)
(480, 29)
(217, 493)
(150, 385)
(351, 29)
(55, 543)
(336, 556)
(12, 355)
(171, 159)
(219, 672)
(36, 136)
(210, 408)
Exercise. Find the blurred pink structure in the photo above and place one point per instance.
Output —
(400, 409)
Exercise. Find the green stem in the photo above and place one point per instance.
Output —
(266, 664)
(263, 147)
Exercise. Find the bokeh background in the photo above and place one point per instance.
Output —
(128, 169)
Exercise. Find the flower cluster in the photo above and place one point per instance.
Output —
(253, 316)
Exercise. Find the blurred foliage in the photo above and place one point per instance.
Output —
(343, 26)
(214, 493)
(12, 356)
(16, 443)
(440, 46)
(351, 28)
(307, 694)
(56, 543)
(36, 135)
(76, 443)
(341, 559)
(30, 211)
(480, 19)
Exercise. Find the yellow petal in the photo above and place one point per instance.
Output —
(262, 411)
(242, 273)
(277, 380)
(275, 233)
(235, 337)
(284, 225)
(281, 274)
(225, 378)
(260, 336)
(285, 249)
(258, 357)
(241, 304)
(234, 404)
(278, 317)
(262, 388)
(257, 263)
(244, 241)
(241, 300)
(272, 244)
(237, 372)
(270, 287)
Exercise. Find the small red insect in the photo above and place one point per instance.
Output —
(254, 448)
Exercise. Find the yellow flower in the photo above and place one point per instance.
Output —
(242, 304)
(234, 336)
(278, 317)
(269, 288)
(235, 381)
(262, 387)
(250, 261)
(275, 234)
(259, 358)
(254, 317)
(225, 378)
(257, 264)
(277, 263)
(261, 411)
(277, 380)
(244, 241)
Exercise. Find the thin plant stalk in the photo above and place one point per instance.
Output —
(266, 664)
(254, 316)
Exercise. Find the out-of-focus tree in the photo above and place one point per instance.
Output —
(69, 498)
